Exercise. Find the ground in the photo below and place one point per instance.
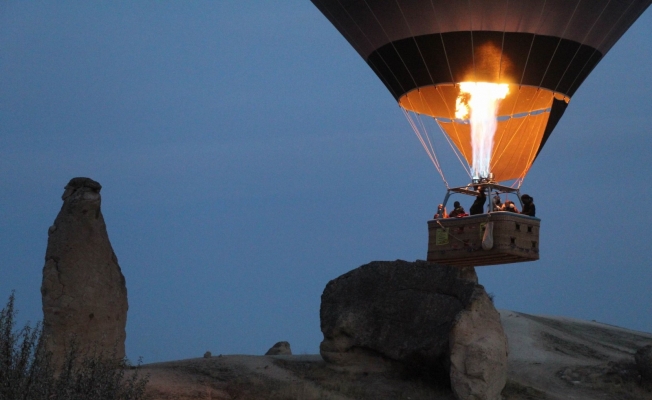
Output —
(551, 358)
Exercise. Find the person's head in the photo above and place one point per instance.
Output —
(439, 207)
(526, 198)
(497, 199)
(456, 204)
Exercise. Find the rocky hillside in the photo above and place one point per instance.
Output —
(549, 358)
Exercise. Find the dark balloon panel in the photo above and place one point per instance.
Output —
(556, 64)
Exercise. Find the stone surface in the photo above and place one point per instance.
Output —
(410, 315)
(280, 349)
(83, 291)
(478, 351)
(643, 358)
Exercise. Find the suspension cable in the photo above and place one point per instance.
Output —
(450, 143)
(431, 154)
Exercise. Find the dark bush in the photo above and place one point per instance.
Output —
(27, 373)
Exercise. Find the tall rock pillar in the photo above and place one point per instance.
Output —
(83, 291)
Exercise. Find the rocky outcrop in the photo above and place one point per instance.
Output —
(478, 351)
(83, 291)
(420, 316)
(643, 358)
(280, 349)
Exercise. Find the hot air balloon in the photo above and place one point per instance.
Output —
(496, 76)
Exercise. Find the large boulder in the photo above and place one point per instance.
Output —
(415, 315)
(83, 291)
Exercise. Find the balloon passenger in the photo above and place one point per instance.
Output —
(510, 207)
(478, 204)
(498, 204)
(441, 212)
(458, 211)
(528, 205)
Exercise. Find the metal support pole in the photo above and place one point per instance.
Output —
(448, 195)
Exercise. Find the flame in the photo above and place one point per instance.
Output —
(478, 102)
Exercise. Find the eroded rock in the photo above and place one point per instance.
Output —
(415, 315)
(83, 291)
(280, 348)
(478, 351)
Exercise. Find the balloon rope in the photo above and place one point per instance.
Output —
(464, 165)
(432, 155)
(424, 101)
(425, 131)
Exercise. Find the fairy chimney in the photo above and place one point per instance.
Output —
(83, 291)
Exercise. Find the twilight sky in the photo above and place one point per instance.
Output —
(248, 155)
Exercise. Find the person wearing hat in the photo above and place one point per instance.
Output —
(528, 205)
(458, 211)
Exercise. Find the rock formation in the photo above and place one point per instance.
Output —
(280, 349)
(419, 316)
(83, 289)
(478, 351)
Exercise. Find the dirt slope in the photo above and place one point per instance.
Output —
(565, 358)
(550, 358)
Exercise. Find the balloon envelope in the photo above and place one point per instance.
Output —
(544, 50)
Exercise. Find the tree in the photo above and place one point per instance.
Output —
(27, 373)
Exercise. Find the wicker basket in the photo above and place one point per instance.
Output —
(458, 241)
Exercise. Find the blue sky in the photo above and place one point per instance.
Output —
(248, 155)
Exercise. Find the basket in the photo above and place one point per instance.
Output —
(458, 241)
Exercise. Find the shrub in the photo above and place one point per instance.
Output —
(27, 373)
